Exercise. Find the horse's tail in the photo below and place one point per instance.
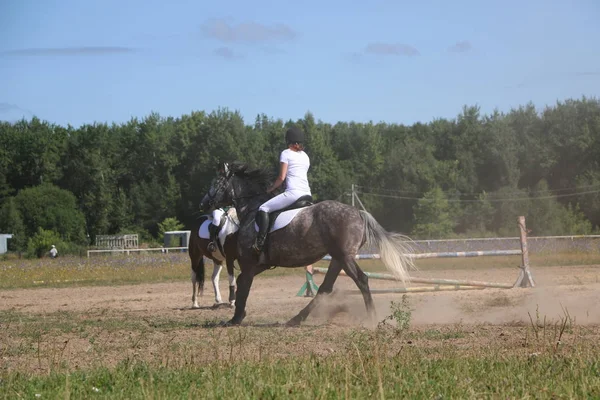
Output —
(196, 256)
(393, 247)
(198, 270)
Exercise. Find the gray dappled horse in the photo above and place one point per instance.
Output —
(327, 227)
(198, 249)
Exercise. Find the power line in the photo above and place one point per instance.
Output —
(479, 193)
(492, 200)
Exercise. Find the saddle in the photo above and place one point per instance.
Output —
(303, 201)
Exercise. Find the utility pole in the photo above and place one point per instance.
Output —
(355, 197)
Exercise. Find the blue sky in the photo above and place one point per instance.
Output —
(396, 61)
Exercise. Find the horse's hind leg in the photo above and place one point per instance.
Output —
(215, 281)
(335, 266)
(197, 281)
(352, 269)
(195, 287)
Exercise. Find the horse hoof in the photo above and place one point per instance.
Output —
(293, 322)
(195, 307)
(231, 322)
(236, 320)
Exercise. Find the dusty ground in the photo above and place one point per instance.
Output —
(273, 299)
(79, 327)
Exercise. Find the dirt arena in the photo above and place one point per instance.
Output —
(273, 299)
(83, 327)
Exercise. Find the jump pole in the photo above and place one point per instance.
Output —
(448, 282)
(420, 289)
(450, 254)
(525, 278)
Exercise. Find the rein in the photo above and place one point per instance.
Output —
(235, 199)
(226, 185)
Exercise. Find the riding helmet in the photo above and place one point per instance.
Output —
(294, 135)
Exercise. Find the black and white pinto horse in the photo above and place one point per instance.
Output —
(198, 249)
(302, 236)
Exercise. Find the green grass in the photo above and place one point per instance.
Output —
(406, 376)
(249, 362)
(107, 270)
(142, 268)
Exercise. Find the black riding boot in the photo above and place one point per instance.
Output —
(262, 220)
(213, 230)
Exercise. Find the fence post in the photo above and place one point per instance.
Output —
(525, 277)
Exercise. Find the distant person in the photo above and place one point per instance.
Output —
(53, 252)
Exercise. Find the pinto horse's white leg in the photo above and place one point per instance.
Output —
(215, 281)
(195, 289)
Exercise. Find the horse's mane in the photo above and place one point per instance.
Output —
(261, 176)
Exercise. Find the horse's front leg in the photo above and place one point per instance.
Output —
(244, 282)
(230, 270)
(215, 281)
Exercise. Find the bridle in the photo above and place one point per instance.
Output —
(224, 185)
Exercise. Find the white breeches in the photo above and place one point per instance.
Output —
(282, 200)
(216, 215)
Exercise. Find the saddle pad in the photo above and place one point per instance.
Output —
(203, 231)
(228, 228)
(283, 219)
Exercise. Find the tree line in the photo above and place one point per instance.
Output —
(467, 176)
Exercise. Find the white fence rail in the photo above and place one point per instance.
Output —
(129, 241)
(537, 244)
(128, 251)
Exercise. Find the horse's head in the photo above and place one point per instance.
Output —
(219, 193)
(233, 182)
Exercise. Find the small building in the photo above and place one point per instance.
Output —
(3, 239)
(177, 238)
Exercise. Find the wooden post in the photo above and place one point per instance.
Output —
(525, 278)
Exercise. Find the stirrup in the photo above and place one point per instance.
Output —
(258, 246)
(211, 247)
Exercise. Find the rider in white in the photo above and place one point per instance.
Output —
(215, 226)
(294, 165)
